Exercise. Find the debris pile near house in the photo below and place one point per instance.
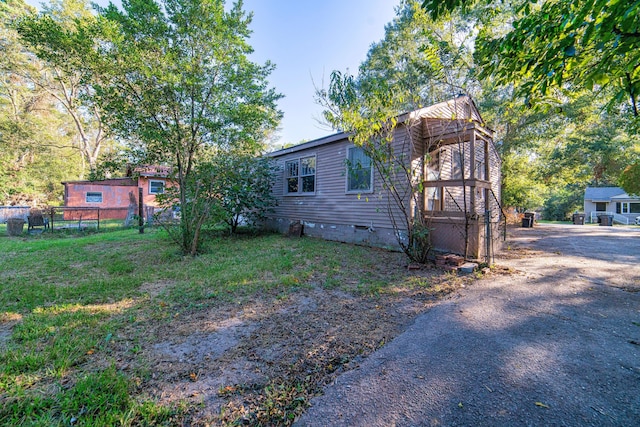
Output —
(452, 262)
(296, 229)
(449, 261)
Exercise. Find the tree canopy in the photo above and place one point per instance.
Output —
(176, 76)
(171, 77)
(38, 149)
(61, 37)
(550, 52)
(592, 44)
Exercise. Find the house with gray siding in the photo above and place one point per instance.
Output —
(613, 201)
(335, 190)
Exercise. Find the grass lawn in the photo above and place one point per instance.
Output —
(118, 328)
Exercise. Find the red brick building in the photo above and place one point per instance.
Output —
(114, 196)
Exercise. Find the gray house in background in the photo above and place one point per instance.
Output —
(451, 153)
(610, 201)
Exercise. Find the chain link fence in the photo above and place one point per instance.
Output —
(69, 218)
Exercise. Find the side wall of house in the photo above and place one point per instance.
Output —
(115, 199)
(113, 196)
(144, 182)
(591, 212)
(332, 212)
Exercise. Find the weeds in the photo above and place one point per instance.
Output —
(81, 312)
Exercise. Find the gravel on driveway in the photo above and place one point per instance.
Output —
(555, 342)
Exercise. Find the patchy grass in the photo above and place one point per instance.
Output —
(118, 328)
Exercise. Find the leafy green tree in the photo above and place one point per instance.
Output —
(630, 178)
(35, 144)
(243, 185)
(60, 36)
(175, 75)
(521, 186)
(228, 188)
(550, 52)
(425, 60)
(554, 43)
(562, 201)
(370, 118)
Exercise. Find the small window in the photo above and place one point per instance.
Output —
(456, 163)
(359, 170)
(300, 175)
(156, 187)
(634, 208)
(601, 206)
(94, 197)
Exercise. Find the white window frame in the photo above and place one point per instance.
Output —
(349, 166)
(93, 195)
(625, 207)
(155, 181)
(300, 176)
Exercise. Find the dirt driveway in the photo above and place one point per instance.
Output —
(555, 343)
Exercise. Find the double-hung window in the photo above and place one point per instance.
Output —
(359, 170)
(300, 175)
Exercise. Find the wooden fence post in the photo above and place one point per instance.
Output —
(140, 211)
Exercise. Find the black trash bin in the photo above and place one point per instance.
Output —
(578, 219)
(528, 219)
(606, 220)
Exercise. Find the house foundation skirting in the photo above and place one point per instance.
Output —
(447, 234)
(361, 234)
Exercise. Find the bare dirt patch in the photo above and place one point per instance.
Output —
(7, 322)
(153, 289)
(260, 362)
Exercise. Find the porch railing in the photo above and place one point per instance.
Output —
(621, 219)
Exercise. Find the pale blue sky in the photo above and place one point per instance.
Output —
(307, 40)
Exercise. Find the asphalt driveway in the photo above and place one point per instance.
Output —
(555, 342)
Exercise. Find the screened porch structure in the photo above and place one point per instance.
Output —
(462, 179)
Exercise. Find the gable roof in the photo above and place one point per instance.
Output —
(459, 108)
(603, 194)
(625, 196)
